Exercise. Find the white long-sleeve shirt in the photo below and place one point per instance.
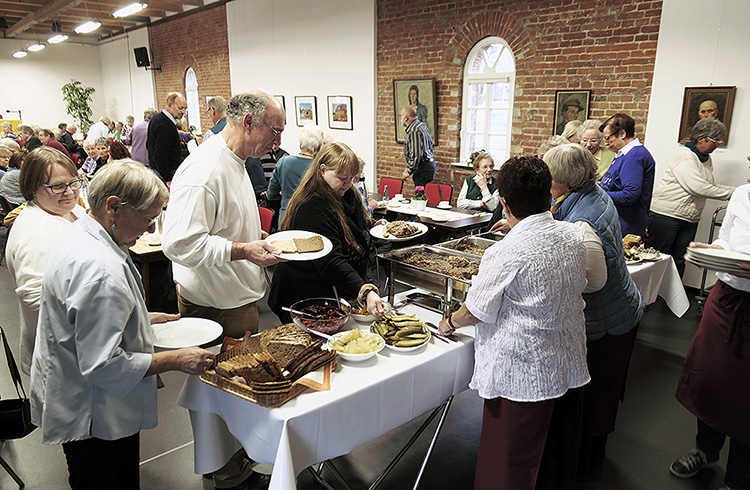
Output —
(211, 205)
(735, 233)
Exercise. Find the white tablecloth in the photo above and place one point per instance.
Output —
(660, 278)
(366, 400)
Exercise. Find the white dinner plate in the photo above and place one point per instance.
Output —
(405, 349)
(377, 232)
(439, 219)
(291, 234)
(632, 262)
(185, 332)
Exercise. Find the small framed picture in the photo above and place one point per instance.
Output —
(421, 94)
(307, 109)
(701, 102)
(340, 112)
(570, 105)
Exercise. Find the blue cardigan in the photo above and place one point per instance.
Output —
(630, 183)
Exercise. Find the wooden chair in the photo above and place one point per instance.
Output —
(395, 186)
(438, 192)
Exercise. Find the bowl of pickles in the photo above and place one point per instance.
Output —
(401, 332)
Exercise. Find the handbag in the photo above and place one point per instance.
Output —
(15, 414)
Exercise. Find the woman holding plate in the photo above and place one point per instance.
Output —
(326, 203)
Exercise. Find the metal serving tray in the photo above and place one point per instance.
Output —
(474, 239)
(447, 287)
(491, 235)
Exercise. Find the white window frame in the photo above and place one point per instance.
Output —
(489, 77)
(193, 102)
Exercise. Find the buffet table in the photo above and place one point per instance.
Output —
(660, 278)
(366, 400)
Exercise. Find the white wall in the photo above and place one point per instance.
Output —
(288, 50)
(701, 43)
(128, 90)
(32, 84)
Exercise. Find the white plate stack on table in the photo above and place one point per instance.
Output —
(716, 259)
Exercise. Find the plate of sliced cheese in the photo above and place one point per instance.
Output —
(300, 244)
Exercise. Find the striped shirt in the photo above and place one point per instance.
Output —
(418, 145)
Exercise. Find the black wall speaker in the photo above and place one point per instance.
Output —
(141, 57)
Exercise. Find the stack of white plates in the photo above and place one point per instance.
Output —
(718, 260)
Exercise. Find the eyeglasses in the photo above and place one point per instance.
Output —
(208, 111)
(606, 138)
(716, 142)
(61, 188)
(151, 221)
(276, 132)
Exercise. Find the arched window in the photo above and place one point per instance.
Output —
(193, 103)
(489, 80)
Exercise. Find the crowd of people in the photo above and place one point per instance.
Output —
(555, 309)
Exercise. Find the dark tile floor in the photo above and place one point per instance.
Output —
(652, 430)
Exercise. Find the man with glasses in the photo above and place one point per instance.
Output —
(217, 111)
(678, 202)
(590, 137)
(162, 138)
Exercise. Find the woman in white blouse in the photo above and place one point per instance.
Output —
(530, 348)
(479, 191)
(50, 185)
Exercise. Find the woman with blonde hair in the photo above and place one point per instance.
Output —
(326, 203)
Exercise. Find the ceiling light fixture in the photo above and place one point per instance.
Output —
(57, 38)
(21, 53)
(89, 26)
(38, 46)
(129, 9)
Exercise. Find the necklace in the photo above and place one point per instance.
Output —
(306, 154)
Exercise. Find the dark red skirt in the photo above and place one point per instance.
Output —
(715, 380)
(608, 360)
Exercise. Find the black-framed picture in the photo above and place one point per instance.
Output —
(570, 105)
(340, 112)
(422, 95)
(306, 109)
(700, 102)
(282, 101)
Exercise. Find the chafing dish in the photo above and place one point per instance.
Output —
(473, 239)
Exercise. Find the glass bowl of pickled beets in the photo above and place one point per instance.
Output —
(321, 314)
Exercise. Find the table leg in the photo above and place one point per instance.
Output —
(318, 479)
(432, 442)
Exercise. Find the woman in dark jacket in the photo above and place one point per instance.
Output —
(326, 203)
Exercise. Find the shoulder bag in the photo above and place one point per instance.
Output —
(15, 414)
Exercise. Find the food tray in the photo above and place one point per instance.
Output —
(475, 240)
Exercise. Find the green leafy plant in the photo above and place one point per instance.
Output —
(78, 99)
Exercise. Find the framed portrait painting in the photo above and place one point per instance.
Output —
(306, 109)
(422, 95)
(700, 102)
(570, 105)
(340, 112)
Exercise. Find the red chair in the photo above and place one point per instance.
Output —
(438, 192)
(395, 186)
(266, 216)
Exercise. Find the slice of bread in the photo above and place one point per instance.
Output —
(312, 244)
(286, 246)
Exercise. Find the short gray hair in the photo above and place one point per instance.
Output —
(22, 128)
(571, 129)
(101, 140)
(218, 103)
(481, 155)
(708, 128)
(552, 142)
(311, 138)
(590, 124)
(131, 181)
(149, 112)
(89, 143)
(252, 103)
(10, 143)
(571, 165)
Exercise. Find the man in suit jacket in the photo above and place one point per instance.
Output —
(163, 140)
(30, 138)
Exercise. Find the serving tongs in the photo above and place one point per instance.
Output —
(433, 328)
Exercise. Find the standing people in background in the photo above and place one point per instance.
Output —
(217, 111)
(47, 138)
(187, 140)
(679, 200)
(714, 382)
(116, 134)
(93, 383)
(591, 138)
(9, 133)
(530, 349)
(163, 140)
(630, 179)
(479, 191)
(99, 129)
(67, 140)
(420, 160)
(30, 139)
(414, 102)
(138, 137)
(290, 169)
(126, 129)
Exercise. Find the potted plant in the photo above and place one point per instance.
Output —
(78, 99)
(419, 201)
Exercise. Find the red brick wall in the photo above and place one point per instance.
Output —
(607, 47)
(198, 41)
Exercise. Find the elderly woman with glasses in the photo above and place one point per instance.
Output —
(50, 184)
(590, 137)
(613, 303)
(679, 200)
(93, 383)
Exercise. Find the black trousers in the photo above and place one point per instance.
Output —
(710, 441)
(94, 464)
